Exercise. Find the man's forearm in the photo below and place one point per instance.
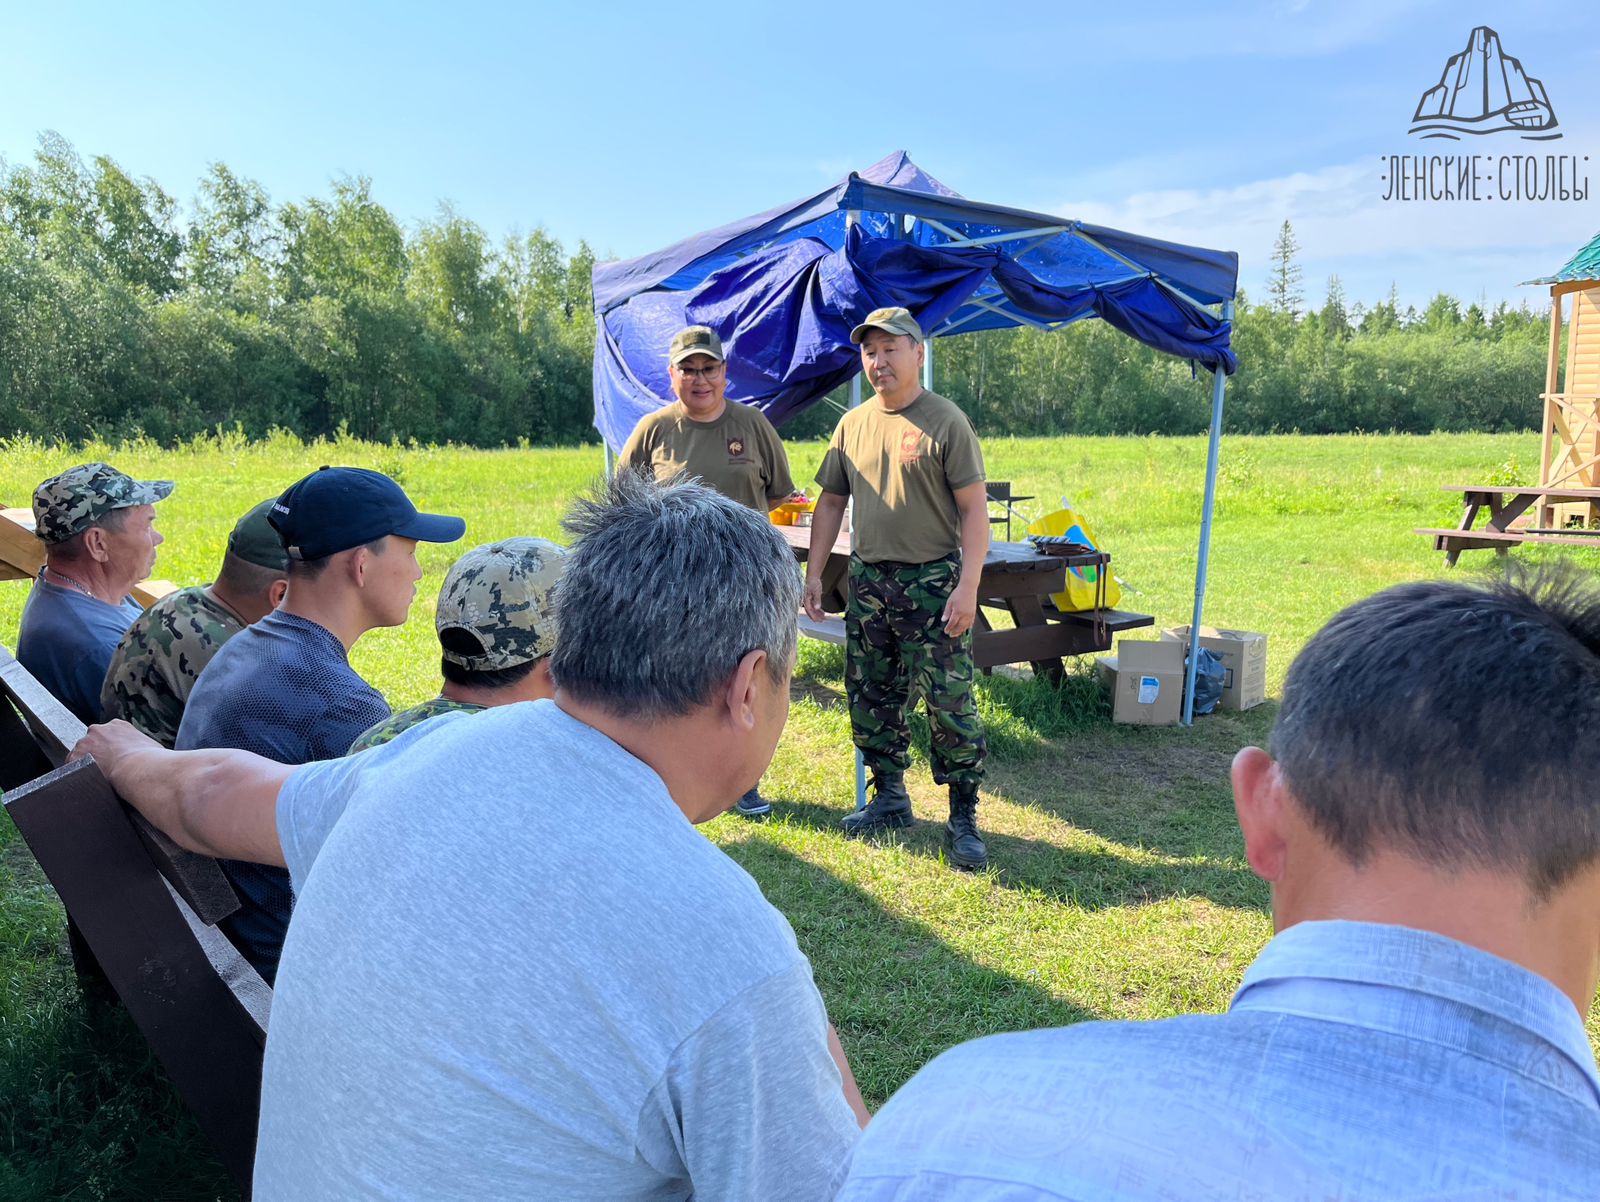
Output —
(852, 1092)
(219, 803)
(826, 520)
(974, 546)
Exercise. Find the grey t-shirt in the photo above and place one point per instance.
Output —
(534, 981)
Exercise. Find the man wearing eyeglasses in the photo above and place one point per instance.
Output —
(730, 447)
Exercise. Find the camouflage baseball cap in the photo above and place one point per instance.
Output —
(79, 497)
(696, 340)
(500, 595)
(892, 321)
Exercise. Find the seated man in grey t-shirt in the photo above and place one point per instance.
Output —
(493, 988)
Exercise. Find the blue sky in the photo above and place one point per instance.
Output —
(632, 125)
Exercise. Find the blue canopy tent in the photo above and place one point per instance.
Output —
(784, 288)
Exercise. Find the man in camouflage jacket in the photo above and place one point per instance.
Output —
(497, 627)
(155, 666)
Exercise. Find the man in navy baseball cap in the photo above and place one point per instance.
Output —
(337, 508)
(284, 687)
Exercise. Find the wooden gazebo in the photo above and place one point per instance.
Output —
(1570, 455)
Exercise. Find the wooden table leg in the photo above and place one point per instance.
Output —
(1027, 610)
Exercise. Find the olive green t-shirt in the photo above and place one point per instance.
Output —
(740, 454)
(902, 470)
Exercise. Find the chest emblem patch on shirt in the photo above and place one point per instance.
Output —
(735, 447)
(910, 446)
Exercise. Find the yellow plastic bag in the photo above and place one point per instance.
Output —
(1083, 584)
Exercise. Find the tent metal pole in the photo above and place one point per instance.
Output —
(611, 460)
(1219, 386)
(927, 362)
(861, 765)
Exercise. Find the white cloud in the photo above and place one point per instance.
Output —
(1343, 225)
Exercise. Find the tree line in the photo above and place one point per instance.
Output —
(124, 313)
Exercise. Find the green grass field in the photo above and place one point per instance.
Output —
(1118, 888)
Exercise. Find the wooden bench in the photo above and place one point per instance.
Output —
(1507, 522)
(145, 911)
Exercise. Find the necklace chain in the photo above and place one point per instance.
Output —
(58, 574)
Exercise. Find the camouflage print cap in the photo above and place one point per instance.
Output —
(501, 595)
(79, 497)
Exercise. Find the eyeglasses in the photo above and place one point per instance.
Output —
(702, 373)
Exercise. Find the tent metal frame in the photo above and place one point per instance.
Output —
(904, 221)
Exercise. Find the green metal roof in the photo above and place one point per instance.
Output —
(1585, 265)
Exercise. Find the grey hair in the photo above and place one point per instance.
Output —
(667, 588)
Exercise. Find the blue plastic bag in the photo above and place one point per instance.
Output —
(1209, 677)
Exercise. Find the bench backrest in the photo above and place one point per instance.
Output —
(146, 909)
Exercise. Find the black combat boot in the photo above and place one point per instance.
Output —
(889, 808)
(961, 837)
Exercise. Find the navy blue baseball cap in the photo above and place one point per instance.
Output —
(336, 508)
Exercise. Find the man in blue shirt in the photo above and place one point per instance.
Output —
(1415, 1030)
(98, 528)
(284, 687)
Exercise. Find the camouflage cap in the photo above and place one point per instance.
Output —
(79, 497)
(501, 594)
(255, 541)
(696, 340)
(892, 321)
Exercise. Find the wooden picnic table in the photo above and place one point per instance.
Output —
(1508, 522)
(1018, 580)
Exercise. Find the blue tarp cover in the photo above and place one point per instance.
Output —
(784, 288)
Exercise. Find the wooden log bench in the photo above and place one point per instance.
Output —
(144, 912)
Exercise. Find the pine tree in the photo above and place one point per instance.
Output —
(1283, 279)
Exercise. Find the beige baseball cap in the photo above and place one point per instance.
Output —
(696, 340)
(893, 321)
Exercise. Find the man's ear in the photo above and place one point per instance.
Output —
(741, 694)
(1259, 798)
(276, 592)
(357, 566)
(94, 544)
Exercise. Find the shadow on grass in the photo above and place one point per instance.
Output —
(1089, 880)
(897, 993)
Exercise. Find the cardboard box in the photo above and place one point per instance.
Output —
(1244, 662)
(1105, 671)
(1149, 690)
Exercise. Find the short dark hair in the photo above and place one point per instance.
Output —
(667, 587)
(489, 678)
(246, 578)
(310, 569)
(1451, 722)
(464, 642)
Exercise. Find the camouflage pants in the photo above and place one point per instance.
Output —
(895, 643)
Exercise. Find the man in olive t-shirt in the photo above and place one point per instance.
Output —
(730, 447)
(910, 461)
